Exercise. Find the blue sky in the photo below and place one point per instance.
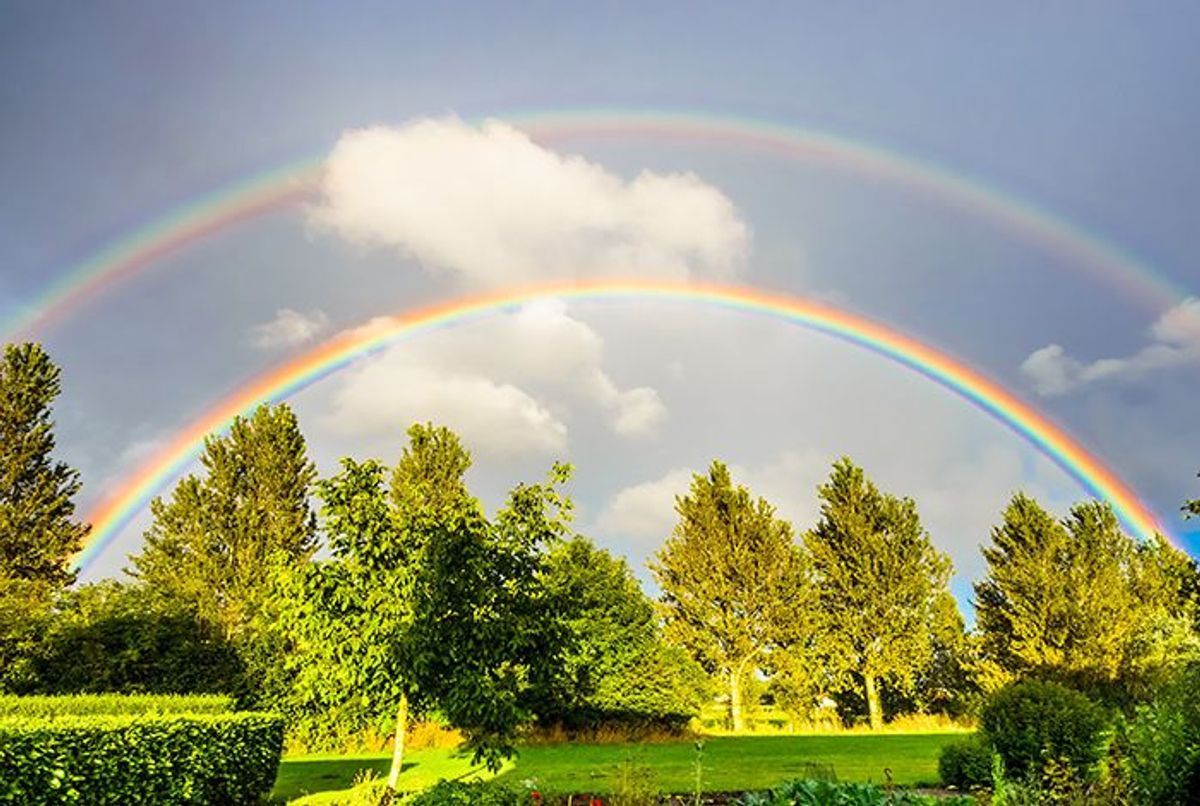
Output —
(115, 114)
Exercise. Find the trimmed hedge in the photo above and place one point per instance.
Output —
(221, 759)
(966, 763)
(50, 707)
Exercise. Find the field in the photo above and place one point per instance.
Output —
(729, 763)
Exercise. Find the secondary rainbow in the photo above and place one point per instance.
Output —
(134, 493)
(291, 184)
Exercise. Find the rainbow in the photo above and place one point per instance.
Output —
(134, 494)
(288, 185)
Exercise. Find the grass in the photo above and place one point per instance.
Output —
(731, 763)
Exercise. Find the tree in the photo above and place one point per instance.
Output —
(216, 542)
(733, 585)
(38, 533)
(1192, 508)
(615, 667)
(423, 602)
(879, 583)
(113, 636)
(1081, 601)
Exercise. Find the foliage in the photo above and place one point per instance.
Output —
(1192, 508)
(423, 603)
(111, 636)
(167, 759)
(732, 581)
(38, 533)
(833, 793)
(1163, 744)
(72, 705)
(471, 793)
(966, 763)
(881, 585)
(216, 543)
(614, 670)
(1082, 602)
(1033, 722)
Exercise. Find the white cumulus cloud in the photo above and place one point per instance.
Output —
(289, 328)
(503, 383)
(1175, 341)
(493, 207)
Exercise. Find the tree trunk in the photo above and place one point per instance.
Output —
(398, 745)
(735, 699)
(873, 709)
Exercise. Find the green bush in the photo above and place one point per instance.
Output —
(1162, 745)
(112, 705)
(832, 793)
(966, 763)
(222, 759)
(471, 793)
(1033, 722)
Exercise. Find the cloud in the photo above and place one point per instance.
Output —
(493, 207)
(502, 383)
(646, 511)
(289, 328)
(496, 418)
(1176, 341)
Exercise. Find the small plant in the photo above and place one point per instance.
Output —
(471, 793)
(633, 785)
(698, 765)
(831, 793)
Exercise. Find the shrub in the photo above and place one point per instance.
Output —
(162, 759)
(831, 793)
(1033, 722)
(1163, 744)
(966, 763)
(471, 793)
(112, 705)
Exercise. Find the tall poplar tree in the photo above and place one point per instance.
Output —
(1080, 600)
(880, 583)
(215, 542)
(732, 579)
(38, 530)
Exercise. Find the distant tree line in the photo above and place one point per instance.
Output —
(357, 603)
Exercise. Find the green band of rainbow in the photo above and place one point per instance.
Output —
(290, 184)
(135, 493)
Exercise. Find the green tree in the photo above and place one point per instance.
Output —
(114, 636)
(879, 583)
(216, 542)
(733, 583)
(1081, 601)
(423, 603)
(38, 532)
(615, 667)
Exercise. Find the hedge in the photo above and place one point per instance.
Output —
(222, 759)
(48, 707)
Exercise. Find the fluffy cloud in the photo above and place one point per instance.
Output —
(502, 383)
(289, 328)
(493, 207)
(1176, 341)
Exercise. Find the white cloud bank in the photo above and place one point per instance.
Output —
(502, 384)
(1176, 341)
(289, 328)
(493, 207)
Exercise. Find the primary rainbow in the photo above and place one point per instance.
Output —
(135, 492)
(293, 183)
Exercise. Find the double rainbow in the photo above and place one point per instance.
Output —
(339, 352)
(290, 184)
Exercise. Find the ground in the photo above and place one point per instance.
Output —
(728, 764)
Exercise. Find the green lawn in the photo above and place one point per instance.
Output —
(730, 763)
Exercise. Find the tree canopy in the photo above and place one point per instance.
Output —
(732, 579)
(879, 583)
